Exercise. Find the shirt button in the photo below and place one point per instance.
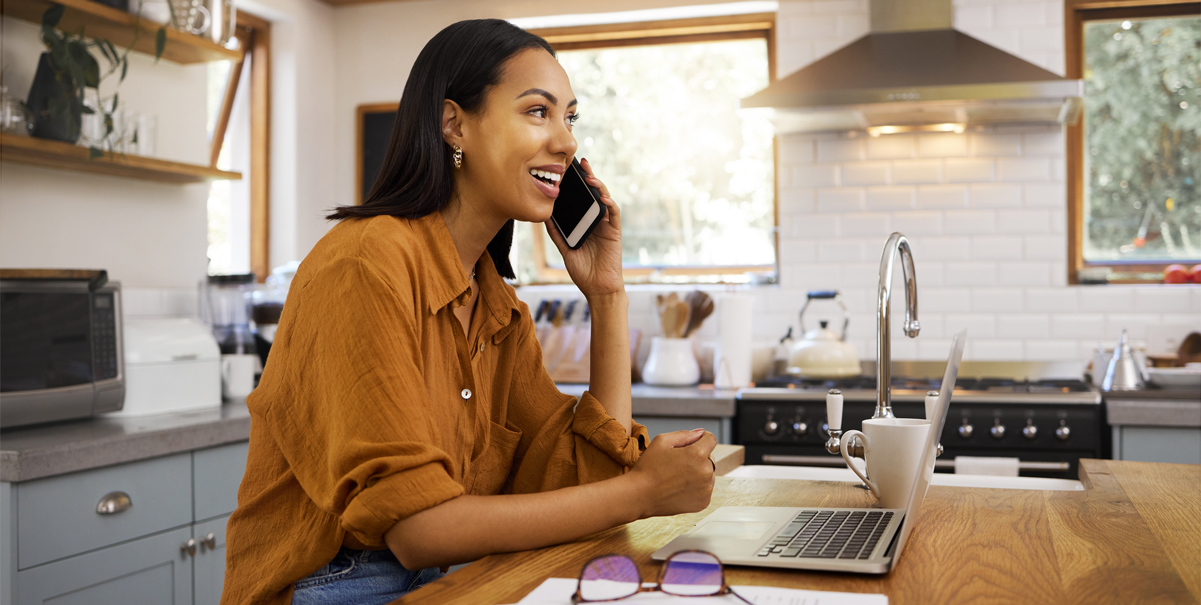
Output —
(481, 347)
(466, 393)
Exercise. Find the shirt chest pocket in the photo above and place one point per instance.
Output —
(488, 471)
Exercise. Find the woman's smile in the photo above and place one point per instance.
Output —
(547, 178)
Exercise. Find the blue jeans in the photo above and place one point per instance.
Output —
(361, 577)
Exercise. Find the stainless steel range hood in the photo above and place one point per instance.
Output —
(913, 72)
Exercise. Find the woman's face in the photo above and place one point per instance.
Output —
(516, 148)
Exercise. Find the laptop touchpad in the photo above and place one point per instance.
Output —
(733, 529)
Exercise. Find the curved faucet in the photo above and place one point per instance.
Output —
(897, 244)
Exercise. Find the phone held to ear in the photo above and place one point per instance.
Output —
(578, 209)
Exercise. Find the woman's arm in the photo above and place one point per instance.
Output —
(673, 476)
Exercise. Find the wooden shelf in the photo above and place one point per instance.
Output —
(118, 27)
(65, 156)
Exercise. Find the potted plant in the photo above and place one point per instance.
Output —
(66, 70)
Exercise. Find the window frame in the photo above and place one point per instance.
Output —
(254, 39)
(1076, 13)
(673, 31)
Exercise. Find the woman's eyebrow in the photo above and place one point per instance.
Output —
(549, 97)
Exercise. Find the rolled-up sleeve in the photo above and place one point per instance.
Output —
(565, 442)
(355, 426)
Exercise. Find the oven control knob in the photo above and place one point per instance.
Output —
(772, 427)
(997, 430)
(1030, 431)
(965, 431)
(799, 427)
(1063, 432)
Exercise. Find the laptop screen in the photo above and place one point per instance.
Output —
(926, 469)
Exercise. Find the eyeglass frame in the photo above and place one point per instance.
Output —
(726, 589)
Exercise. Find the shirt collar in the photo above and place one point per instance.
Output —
(448, 283)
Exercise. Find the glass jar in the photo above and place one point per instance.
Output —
(14, 118)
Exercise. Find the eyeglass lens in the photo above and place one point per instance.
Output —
(692, 574)
(611, 577)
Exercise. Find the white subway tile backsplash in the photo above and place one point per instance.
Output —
(1046, 195)
(840, 251)
(971, 18)
(970, 222)
(798, 251)
(932, 274)
(918, 223)
(840, 150)
(941, 248)
(1047, 39)
(1051, 300)
(1052, 350)
(1044, 143)
(944, 300)
(810, 27)
(1107, 299)
(1031, 326)
(913, 172)
(830, 201)
(853, 26)
(996, 300)
(994, 350)
(837, 6)
(797, 149)
(1023, 221)
(1014, 170)
(997, 247)
(996, 196)
(890, 198)
(1059, 273)
(814, 226)
(968, 170)
(1135, 324)
(1059, 221)
(942, 145)
(1019, 15)
(970, 274)
(817, 175)
(991, 144)
(1195, 305)
(866, 225)
(865, 173)
(1081, 325)
(1008, 40)
(1024, 274)
(1163, 299)
(1046, 247)
(892, 146)
(978, 325)
(930, 197)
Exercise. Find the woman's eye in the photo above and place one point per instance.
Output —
(572, 119)
(538, 111)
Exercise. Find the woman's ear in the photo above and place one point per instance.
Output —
(452, 122)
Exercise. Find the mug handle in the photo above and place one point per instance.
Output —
(845, 449)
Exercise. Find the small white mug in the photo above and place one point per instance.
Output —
(892, 449)
(237, 375)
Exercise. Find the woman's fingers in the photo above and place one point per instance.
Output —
(556, 237)
(606, 199)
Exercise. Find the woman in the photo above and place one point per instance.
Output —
(406, 422)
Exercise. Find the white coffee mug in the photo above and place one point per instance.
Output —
(892, 449)
(237, 375)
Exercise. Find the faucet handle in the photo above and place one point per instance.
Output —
(834, 409)
(931, 404)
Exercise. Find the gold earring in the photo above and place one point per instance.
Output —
(457, 157)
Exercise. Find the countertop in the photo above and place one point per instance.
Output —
(1154, 407)
(695, 401)
(1131, 536)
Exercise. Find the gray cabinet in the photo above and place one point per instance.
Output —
(1181, 445)
(151, 531)
(720, 427)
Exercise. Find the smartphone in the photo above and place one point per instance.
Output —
(578, 209)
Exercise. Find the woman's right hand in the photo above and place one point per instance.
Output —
(676, 473)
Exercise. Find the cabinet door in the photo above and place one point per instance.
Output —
(216, 474)
(151, 570)
(209, 565)
(666, 424)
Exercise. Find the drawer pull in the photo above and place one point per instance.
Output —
(113, 503)
(209, 541)
(188, 548)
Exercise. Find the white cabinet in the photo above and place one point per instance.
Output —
(158, 536)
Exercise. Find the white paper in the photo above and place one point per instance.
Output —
(558, 591)
(732, 355)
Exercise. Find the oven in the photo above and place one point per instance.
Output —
(1048, 424)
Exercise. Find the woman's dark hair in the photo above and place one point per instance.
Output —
(417, 177)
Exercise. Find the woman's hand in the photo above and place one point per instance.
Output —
(595, 267)
(676, 473)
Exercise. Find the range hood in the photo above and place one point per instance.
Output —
(914, 73)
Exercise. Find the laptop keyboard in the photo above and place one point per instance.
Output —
(825, 534)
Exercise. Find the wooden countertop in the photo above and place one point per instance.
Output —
(1133, 536)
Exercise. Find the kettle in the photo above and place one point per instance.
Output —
(821, 353)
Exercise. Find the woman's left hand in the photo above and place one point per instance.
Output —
(595, 267)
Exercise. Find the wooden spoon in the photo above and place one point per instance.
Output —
(700, 308)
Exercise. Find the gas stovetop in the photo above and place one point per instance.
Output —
(967, 389)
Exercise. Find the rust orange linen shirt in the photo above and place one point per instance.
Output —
(375, 405)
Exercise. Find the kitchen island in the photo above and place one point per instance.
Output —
(1132, 536)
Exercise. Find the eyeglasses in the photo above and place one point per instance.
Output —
(688, 573)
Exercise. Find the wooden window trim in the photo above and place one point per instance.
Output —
(1076, 13)
(674, 31)
(254, 39)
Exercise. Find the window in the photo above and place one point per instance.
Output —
(659, 121)
(239, 113)
(1135, 159)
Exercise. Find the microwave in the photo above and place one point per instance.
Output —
(61, 353)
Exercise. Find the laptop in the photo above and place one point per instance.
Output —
(861, 540)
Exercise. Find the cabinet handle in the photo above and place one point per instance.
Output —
(113, 503)
(188, 548)
(209, 541)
